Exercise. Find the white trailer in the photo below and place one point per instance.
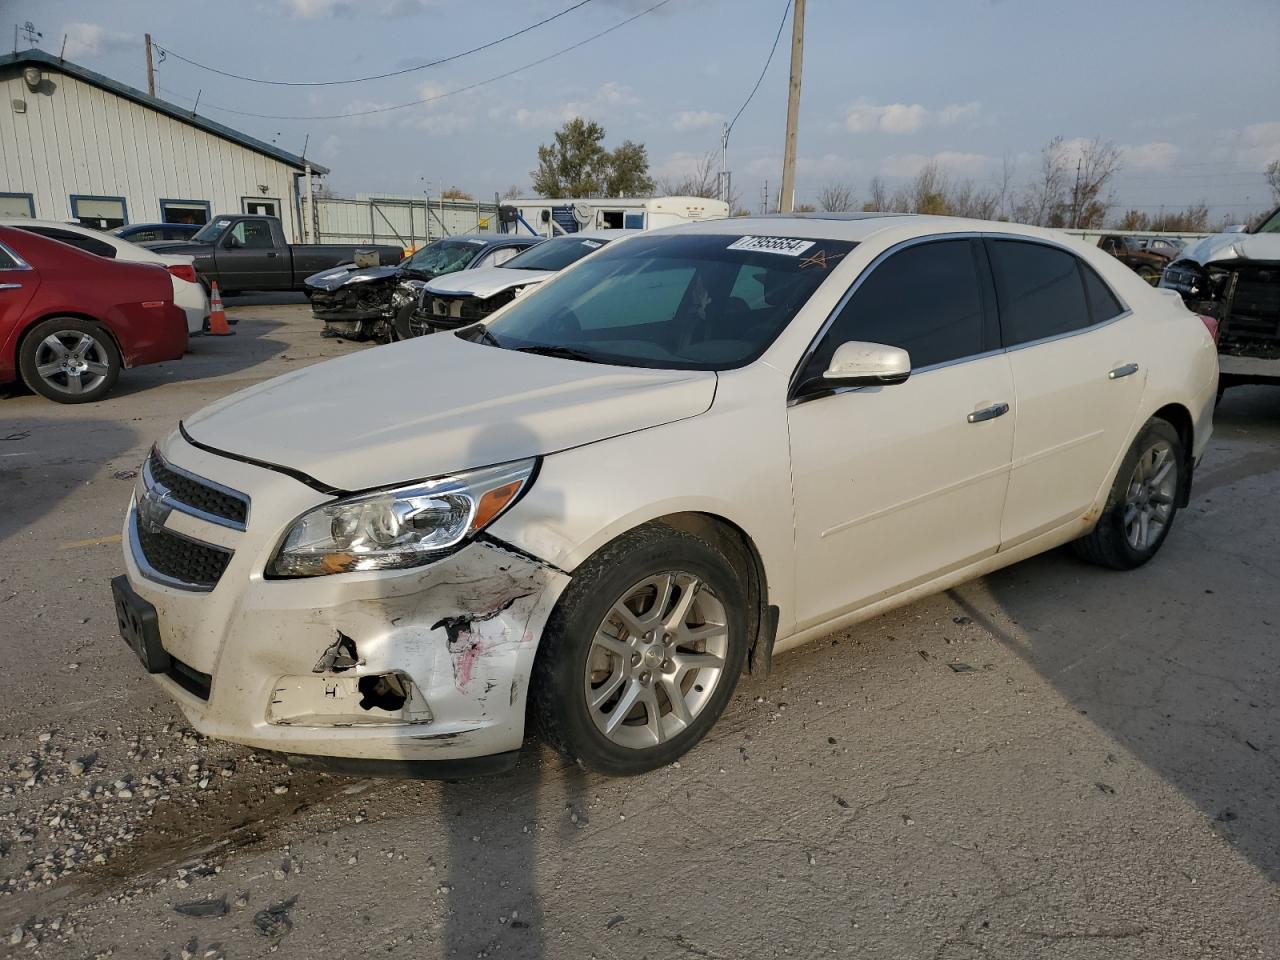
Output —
(552, 217)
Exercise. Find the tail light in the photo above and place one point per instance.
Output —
(1212, 324)
(183, 271)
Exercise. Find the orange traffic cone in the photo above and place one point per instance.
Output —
(217, 316)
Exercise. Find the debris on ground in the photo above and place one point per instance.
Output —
(274, 921)
(203, 908)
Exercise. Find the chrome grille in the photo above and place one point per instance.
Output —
(194, 495)
(178, 560)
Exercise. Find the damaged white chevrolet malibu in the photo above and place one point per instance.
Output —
(695, 448)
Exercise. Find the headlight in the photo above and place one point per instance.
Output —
(401, 527)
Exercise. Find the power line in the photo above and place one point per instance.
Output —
(169, 52)
(759, 80)
(439, 96)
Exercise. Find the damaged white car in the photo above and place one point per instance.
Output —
(693, 449)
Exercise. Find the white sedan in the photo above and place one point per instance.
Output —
(188, 293)
(692, 450)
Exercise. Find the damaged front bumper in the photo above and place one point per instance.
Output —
(409, 667)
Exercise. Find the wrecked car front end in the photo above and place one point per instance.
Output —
(425, 664)
(1235, 279)
(351, 293)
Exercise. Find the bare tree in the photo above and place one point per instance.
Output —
(1273, 179)
(1004, 187)
(1099, 161)
(513, 193)
(702, 181)
(804, 208)
(877, 197)
(837, 198)
(1046, 198)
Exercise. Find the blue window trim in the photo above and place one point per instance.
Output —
(31, 200)
(77, 197)
(208, 210)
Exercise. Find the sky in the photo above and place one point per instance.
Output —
(1185, 89)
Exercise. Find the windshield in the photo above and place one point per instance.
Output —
(555, 254)
(443, 256)
(670, 301)
(1271, 224)
(211, 231)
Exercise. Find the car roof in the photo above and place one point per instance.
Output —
(494, 239)
(611, 234)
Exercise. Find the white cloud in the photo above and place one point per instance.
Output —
(696, 120)
(1157, 155)
(950, 161)
(603, 102)
(1258, 144)
(828, 166)
(678, 165)
(898, 118)
(315, 9)
(90, 39)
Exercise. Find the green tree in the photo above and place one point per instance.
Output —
(628, 174)
(576, 164)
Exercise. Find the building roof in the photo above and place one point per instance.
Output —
(39, 58)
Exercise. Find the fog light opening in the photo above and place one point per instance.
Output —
(384, 691)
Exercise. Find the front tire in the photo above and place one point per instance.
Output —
(69, 360)
(642, 653)
(1143, 501)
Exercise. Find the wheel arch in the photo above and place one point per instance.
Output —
(71, 315)
(1179, 417)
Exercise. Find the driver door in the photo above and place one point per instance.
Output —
(895, 485)
(248, 258)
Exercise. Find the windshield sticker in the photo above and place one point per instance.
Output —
(592, 243)
(786, 246)
(479, 243)
(223, 223)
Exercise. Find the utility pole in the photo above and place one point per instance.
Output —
(1075, 199)
(764, 197)
(151, 69)
(786, 200)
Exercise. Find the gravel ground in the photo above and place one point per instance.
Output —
(1054, 761)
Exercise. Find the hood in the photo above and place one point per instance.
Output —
(434, 405)
(1233, 246)
(484, 282)
(335, 277)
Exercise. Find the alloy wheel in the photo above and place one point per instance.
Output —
(656, 660)
(72, 362)
(1149, 499)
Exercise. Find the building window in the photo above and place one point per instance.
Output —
(104, 213)
(185, 211)
(17, 205)
(260, 206)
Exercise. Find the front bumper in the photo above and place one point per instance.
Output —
(300, 667)
(359, 301)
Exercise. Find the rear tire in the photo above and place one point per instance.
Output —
(654, 626)
(1143, 501)
(69, 360)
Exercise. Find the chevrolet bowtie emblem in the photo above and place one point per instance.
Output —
(154, 509)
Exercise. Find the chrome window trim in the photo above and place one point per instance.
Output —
(792, 400)
(150, 572)
(18, 262)
(150, 482)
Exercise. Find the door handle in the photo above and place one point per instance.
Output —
(10, 286)
(988, 413)
(272, 253)
(1128, 370)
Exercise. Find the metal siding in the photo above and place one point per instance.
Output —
(85, 140)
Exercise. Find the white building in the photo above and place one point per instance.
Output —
(75, 145)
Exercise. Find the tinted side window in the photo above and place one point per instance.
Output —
(1039, 290)
(1103, 304)
(77, 240)
(924, 299)
(6, 261)
(252, 235)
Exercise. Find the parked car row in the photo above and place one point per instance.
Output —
(1146, 256)
(596, 506)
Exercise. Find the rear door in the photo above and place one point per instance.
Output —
(18, 284)
(1078, 373)
(249, 258)
(895, 485)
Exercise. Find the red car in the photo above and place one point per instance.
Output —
(69, 320)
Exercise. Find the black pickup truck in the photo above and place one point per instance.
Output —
(247, 252)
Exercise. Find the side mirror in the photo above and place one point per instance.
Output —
(856, 364)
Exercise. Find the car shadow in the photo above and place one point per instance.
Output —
(209, 357)
(38, 471)
(1176, 660)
